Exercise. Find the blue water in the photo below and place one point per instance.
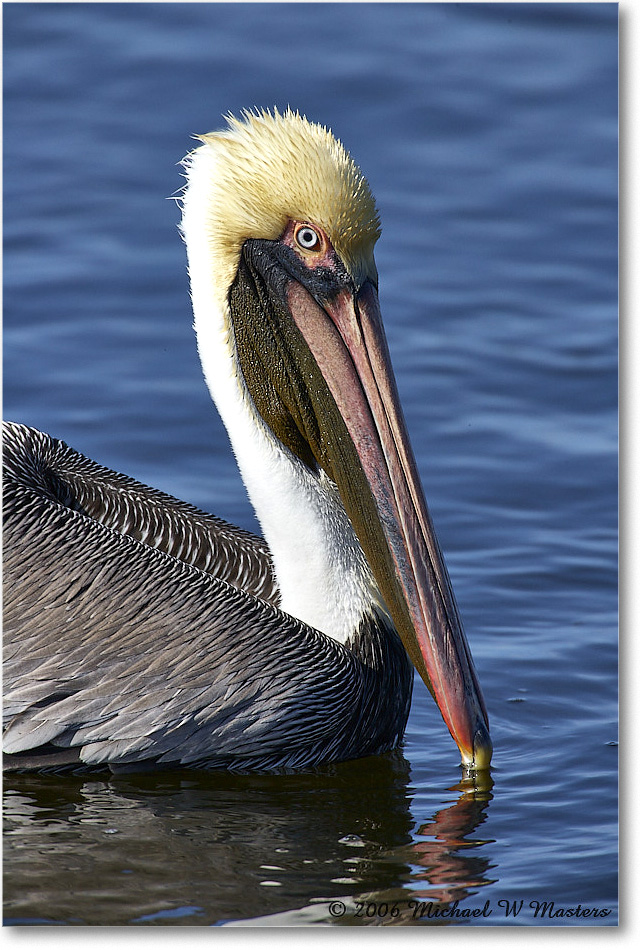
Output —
(489, 136)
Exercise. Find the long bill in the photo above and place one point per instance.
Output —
(351, 352)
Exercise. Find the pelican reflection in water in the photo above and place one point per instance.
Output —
(141, 632)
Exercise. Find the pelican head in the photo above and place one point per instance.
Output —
(280, 226)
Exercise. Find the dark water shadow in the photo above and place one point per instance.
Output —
(212, 848)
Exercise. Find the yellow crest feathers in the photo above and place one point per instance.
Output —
(267, 168)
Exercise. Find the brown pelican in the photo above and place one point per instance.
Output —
(141, 632)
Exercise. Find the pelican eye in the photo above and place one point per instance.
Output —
(307, 238)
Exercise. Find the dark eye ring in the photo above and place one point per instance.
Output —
(307, 238)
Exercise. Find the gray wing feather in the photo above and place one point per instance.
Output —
(35, 463)
(120, 651)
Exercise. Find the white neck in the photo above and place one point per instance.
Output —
(320, 567)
